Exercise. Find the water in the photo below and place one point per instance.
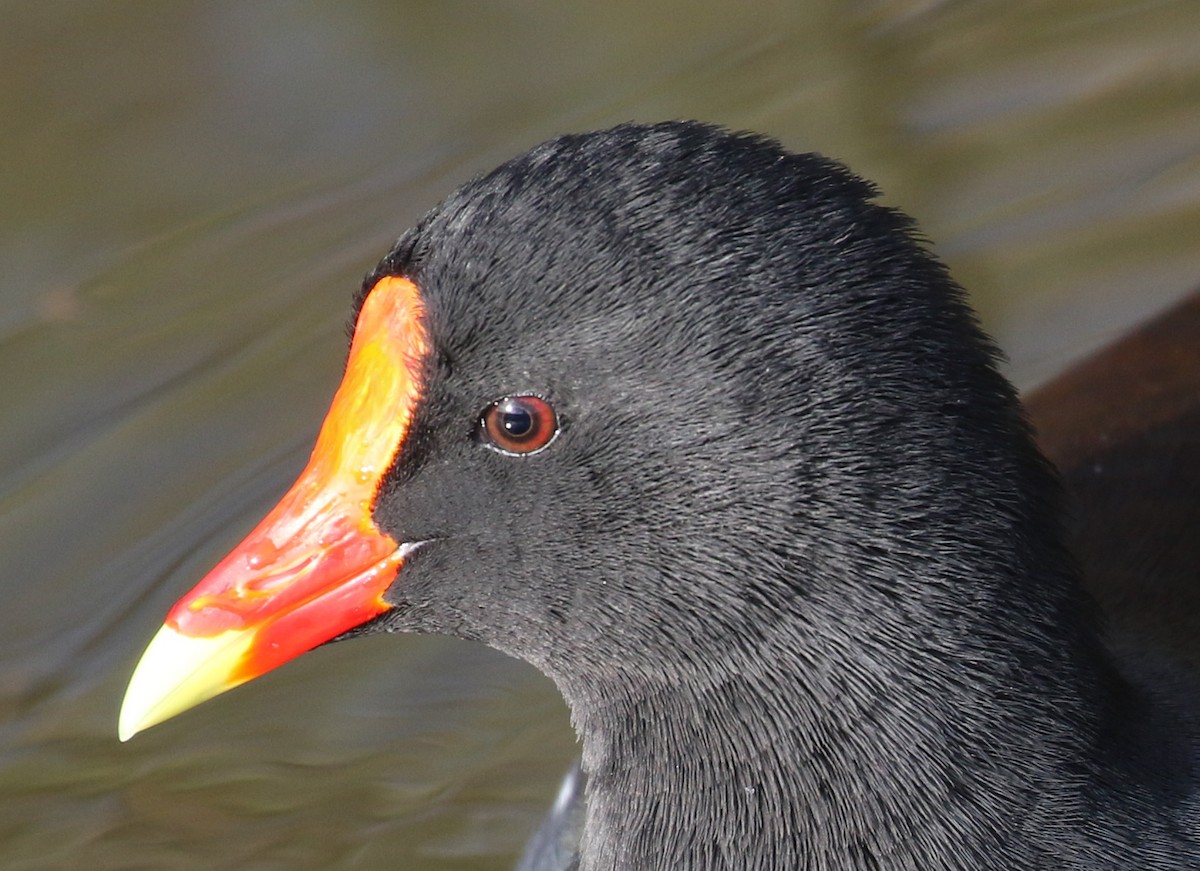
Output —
(192, 191)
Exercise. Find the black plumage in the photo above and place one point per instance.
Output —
(793, 559)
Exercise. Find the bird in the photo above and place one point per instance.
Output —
(704, 432)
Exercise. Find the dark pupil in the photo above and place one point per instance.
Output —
(516, 420)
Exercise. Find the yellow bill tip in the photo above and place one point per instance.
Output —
(178, 672)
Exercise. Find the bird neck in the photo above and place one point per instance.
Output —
(845, 753)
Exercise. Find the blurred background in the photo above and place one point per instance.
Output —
(192, 190)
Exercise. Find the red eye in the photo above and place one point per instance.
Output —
(519, 424)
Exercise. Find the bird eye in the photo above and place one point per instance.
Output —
(518, 424)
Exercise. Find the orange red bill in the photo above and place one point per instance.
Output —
(317, 565)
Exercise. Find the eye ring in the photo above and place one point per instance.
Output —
(518, 425)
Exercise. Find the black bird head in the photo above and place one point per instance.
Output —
(665, 388)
